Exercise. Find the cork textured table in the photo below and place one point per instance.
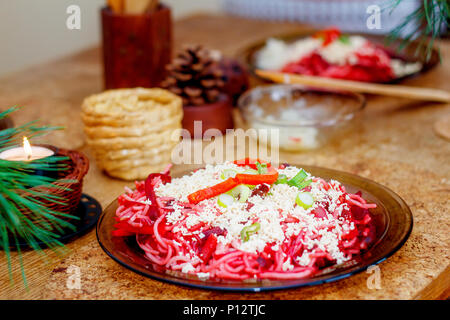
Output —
(395, 145)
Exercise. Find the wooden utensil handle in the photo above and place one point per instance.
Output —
(427, 94)
(136, 6)
(116, 5)
(153, 5)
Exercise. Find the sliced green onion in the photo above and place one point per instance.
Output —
(304, 200)
(304, 184)
(242, 192)
(225, 200)
(299, 177)
(246, 232)
(282, 179)
(344, 38)
(262, 168)
(228, 173)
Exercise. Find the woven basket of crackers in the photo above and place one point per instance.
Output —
(132, 132)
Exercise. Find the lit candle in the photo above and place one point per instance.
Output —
(26, 153)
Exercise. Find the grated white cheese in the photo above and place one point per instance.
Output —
(187, 267)
(203, 275)
(270, 211)
(180, 188)
(287, 265)
(341, 53)
(277, 53)
(176, 215)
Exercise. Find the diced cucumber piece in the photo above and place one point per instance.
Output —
(304, 200)
(228, 173)
(225, 200)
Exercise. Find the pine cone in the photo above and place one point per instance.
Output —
(195, 76)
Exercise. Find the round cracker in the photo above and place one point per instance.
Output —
(132, 131)
(134, 153)
(112, 165)
(128, 119)
(149, 141)
(130, 102)
(94, 132)
(137, 173)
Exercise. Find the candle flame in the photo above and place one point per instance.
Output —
(27, 148)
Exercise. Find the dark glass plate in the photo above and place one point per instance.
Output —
(89, 211)
(393, 221)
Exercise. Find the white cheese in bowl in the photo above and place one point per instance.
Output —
(290, 139)
(301, 118)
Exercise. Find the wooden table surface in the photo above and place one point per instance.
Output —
(395, 146)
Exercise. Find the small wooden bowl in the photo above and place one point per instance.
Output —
(78, 166)
(216, 115)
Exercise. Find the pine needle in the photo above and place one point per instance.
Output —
(427, 22)
(41, 224)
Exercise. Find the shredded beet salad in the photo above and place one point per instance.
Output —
(245, 219)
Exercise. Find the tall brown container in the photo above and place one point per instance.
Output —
(136, 48)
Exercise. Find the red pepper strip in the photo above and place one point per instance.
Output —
(150, 184)
(254, 179)
(208, 248)
(213, 191)
(230, 183)
(250, 162)
(124, 228)
(328, 35)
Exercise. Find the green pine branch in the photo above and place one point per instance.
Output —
(16, 178)
(429, 20)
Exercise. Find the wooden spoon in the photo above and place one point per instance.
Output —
(426, 94)
(116, 5)
(136, 6)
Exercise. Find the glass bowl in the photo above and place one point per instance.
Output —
(303, 118)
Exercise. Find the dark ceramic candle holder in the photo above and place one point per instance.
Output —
(217, 115)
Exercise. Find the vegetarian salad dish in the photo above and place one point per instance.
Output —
(245, 219)
(330, 53)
